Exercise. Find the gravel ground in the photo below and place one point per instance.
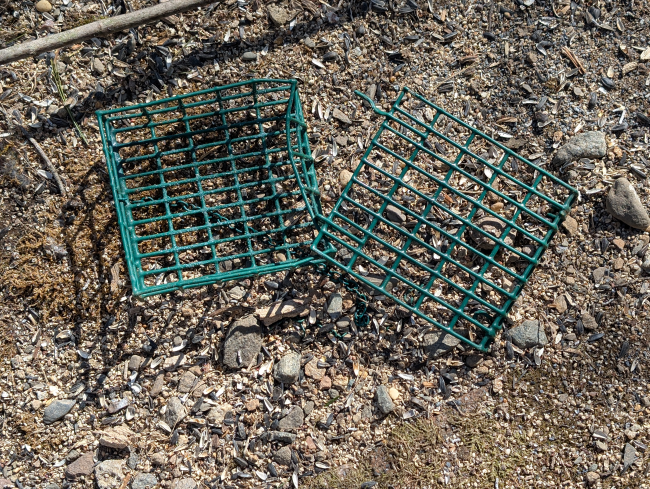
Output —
(201, 389)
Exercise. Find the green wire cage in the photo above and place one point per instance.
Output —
(205, 185)
(443, 219)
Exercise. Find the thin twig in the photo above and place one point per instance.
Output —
(51, 168)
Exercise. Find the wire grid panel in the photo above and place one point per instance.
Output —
(205, 184)
(444, 220)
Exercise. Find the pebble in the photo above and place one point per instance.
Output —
(283, 456)
(629, 455)
(591, 144)
(592, 478)
(243, 342)
(278, 15)
(175, 412)
(119, 437)
(159, 459)
(384, 401)
(287, 370)
(293, 420)
(624, 204)
(249, 56)
(341, 140)
(279, 310)
(186, 382)
(312, 370)
(335, 305)
(325, 383)
(281, 436)
(98, 67)
(437, 343)
(5, 483)
(44, 6)
(144, 481)
(341, 117)
(217, 414)
(109, 475)
(619, 243)
(81, 467)
(157, 386)
(135, 362)
(528, 334)
(571, 225)
(395, 215)
(186, 483)
(393, 393)
(173, 362)
(345, 176)
(252, 405)
(57, 409)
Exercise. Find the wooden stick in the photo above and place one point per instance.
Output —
(100, 28)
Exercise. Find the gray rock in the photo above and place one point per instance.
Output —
(287, 370)
(175, 412)
(384, 402)
(335, 305)
(144, 481)
(624, 204)
(395, 215)
(293, 420)
(278, 15)
(135, 362)
(133, 460)
(98, 66)
(217, 414)
(243, 341)
(629, 455)
(281, 436)
(186, 483)
(57, 409)
(72, 456)
(48, 486)
(159, 459)
(82, 466)
(309, 407)
(599, 274)
(186, 382)
(157, 386)
(528, 334)
(437, 343)
(5, 483)
(249, 56)
(585, 145)
(108, 474)
(283, 456)
(341, 117)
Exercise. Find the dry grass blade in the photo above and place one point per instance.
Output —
(56, 77)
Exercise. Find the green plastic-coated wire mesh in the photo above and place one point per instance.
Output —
(205, 184)
(443, 219)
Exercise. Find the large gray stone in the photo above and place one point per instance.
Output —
(278, 15)
(287, 370)
(245, 337)
(57, 409)
(528, 335)
(144, 481)
(293, 420)
(384, 402)
(624, 204)
(585, 145)
(109, 475)
(186, 382)
(335, 305)
(175, 412)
